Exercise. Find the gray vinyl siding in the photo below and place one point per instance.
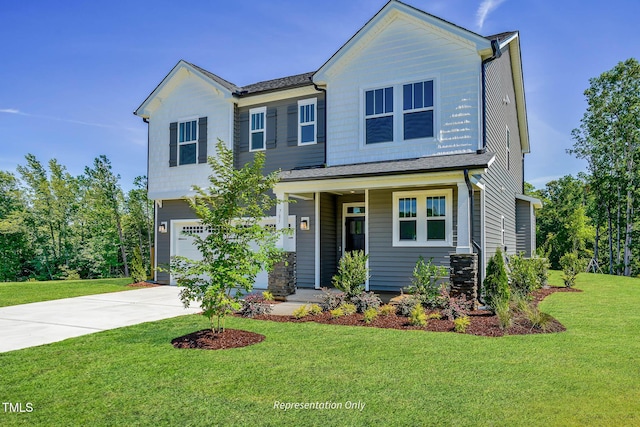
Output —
(391, 267)
(523, 227)
(170, 210)
(305, 243)
(282, 150)
(502, 184)
(328, 238)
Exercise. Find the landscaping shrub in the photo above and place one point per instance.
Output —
(436, 316)
(370, 315)
(300, 312)
(457, 307)
(352, 273)
(505, 317)
(138, 272)
(425, 284)
(418, 317)
(67, 273)
(348, 308)
(406, 304)
(336, 312)
(387, 310)
(461, 323)
(522, 276)
(268, 296)
(541, 270)
(366, 300)
(519, 303)
(315, 309)
(254, 305)
(496, 283)
(331, 300)
(571, 265)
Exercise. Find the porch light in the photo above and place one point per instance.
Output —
(162, 228)
(304, 223)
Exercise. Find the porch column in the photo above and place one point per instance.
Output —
(316, 221)
(282, 221)
(464, 219)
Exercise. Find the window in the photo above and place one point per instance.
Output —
(423, 218)
(379, 115)
(257, 128)
(417, 101)
(307, 121)
(187, 142)
(508, 149)
(502, 227)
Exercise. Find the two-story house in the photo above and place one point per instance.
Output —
(408, 141)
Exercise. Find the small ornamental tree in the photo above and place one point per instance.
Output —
(352, 273)
(496, 282)
(231, 209)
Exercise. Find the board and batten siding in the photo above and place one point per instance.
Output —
(190, 100)
(328, 238)
(282, 150)
(426, 53)
(502, 184)
(391, 268)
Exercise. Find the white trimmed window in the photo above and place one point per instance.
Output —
(307, 121)
(257, 128)
(508, 138)
(418, 110)
(423, 218)
(187, 142)
(378, 105)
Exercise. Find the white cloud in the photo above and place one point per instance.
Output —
(486, 7)
(10, 111)
(61, 119)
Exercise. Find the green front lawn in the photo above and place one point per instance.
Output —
(13, 293)
(588, 375)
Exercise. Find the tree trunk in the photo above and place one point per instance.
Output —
(628, 233)
(610, 240)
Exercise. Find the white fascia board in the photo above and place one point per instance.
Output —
(518, 84)
(171, 82)
(387, 14)
(261, 99)
(371, 182)
(170, 195)
(536, 203)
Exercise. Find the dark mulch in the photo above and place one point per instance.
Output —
(142, 285)
(483, 323)
(207, 340)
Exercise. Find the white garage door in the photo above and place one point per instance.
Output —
(182, 244)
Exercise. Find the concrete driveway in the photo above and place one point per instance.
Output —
(30, 325)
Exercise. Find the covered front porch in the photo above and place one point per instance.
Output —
(393, 213)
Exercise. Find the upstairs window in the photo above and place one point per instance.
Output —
(187, 142)
(379, 115)
(307, 121)
(417, 101)
(257, 128)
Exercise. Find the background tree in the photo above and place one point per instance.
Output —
(14, 248)
(609, 139)
(231, 209)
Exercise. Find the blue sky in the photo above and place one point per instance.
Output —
(72, 72)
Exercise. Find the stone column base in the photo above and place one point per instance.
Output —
(282, 278)
(464, 276)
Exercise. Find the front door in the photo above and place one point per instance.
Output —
(354, 233)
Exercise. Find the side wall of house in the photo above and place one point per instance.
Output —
(190, 100)
(427, 53)
(524, 222)
(504, 178)
(282, 150)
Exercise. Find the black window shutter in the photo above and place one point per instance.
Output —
(202, 140)
(272, 126)
(292, 125)
(320, 121)
(173, 144)
(243, 131)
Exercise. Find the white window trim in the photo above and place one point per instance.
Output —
(253, 111)
(185, 120)
(398, 112)
(508, 146)
(304, 102)
(421, 218)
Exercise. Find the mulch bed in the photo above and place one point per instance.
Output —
(207, 340)
(483, 323)
(142, 285)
